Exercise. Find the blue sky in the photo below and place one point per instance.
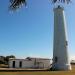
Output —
(29, 31)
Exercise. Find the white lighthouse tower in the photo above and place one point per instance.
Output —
(60, 45)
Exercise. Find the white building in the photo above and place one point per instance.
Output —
(30, 63)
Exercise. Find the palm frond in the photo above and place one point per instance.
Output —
(62, 1)
(15, 4)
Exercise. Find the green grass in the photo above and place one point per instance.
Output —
(41, 73)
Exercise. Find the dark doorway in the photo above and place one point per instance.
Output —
(13, 64)
(56, 59)
(20, 64)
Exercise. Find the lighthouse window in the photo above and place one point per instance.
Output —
(66, 43)
(56, 59)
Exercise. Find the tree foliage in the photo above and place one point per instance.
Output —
(4, 60)
(62, 1)
(15, 4)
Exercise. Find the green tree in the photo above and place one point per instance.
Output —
(2, 60)
(9, 57)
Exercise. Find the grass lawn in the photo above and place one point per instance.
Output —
(41, 72)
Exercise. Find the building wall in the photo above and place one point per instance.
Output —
(33, 63)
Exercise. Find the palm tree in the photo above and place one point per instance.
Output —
(64, 1)
(14, 4)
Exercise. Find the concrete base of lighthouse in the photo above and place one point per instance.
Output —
(60, 48)
(65, 67)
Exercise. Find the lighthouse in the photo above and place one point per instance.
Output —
(61, 59)
(60, 48)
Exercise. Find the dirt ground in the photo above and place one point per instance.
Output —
(72, 72)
